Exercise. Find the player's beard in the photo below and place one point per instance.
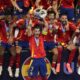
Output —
(36, 35)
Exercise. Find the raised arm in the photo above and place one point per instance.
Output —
(45, 29)
(14, 3)
(37, 3)
(29, 29)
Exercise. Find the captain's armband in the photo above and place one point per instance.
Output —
(44, 32)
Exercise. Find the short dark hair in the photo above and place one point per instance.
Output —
(63, 15)
(51, 12)
(38, 26)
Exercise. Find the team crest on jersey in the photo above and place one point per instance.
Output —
(26, 66)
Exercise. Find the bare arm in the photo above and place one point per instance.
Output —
(15, 5)
(28, 30)
(44, 31)
(37, 4)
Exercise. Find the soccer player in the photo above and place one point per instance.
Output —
(51, 41)
(66, 31)
(76, 40)
(38, 54)
(6, 42)
(18, 30)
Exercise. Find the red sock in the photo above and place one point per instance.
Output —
(12, 60)
(34, 78)
(44, 78)
(59, 55)
(39, 77)
(27, 78)
(71, 56)
(17, 60)
(53, 64)
(79, 62)
(1, 60)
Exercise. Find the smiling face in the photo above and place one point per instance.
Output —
(51, 16)
(64, 20)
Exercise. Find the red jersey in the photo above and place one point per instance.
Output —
(3, 34)
(5, 3)
(64, 37)
(37, 51)
(26, 3)
(44, 4)
(49, 37)
(67, 3)
(78, 26)
(34, 22)
(20, 36)
(51, 34)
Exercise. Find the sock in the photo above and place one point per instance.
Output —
(34, 78)
(17, 60)
(12, 60)
(53, 64)
(71, 56)
(79, 62)
(54, 60)
(39, 77)
(59, 55)
(1, 60)
(27, 78)
(44, 78)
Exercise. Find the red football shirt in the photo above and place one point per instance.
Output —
(51, 34)
(21, 34)
(37, 51)
(45, 4)
(67, 3)
(7, 3)
(3, 34)
(66, 36)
